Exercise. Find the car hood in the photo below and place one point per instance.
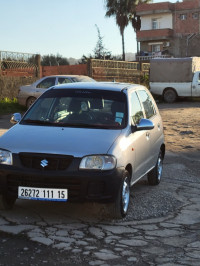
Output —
(57, 140)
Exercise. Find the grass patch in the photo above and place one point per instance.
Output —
(8, 106)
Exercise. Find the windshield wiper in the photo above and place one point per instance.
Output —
(85, 125)
(37, 122)
(75, 125)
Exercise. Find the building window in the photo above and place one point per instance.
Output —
(195, 15)
(155, 48)
(183, 16)
(155, 24)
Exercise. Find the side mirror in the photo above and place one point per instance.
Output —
(16, 117)
(144, 124)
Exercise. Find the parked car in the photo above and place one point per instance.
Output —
(83, 141)
(29, 93)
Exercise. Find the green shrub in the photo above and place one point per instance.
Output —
(144, 80)
(9, 106)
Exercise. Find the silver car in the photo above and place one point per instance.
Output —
(83, 141)
(29, 93)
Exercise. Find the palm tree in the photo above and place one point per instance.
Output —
(124, 11)
(135, 19)
(118, 9)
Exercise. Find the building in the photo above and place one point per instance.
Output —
(169, 29)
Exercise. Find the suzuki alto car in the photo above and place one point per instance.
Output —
(83, 141)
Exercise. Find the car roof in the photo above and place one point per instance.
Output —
(112, 86)
(66, 76)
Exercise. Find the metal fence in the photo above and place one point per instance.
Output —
(19, 64)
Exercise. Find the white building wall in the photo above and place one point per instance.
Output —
(165, 21)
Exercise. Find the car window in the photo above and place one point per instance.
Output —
(46, 83)
(64, 80)
(148, 105)
(83, 79)
(79, 108)
(136, 109)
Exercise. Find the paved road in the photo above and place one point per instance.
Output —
(162, 227)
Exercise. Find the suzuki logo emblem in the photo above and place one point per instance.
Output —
(44, 163)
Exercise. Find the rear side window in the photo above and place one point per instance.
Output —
(63, 80)
(147, 103)
(136, 109)
(47, 83)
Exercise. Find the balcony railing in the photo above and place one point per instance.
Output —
(148, 57)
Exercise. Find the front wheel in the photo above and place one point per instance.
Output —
(6, 203)
(154, 176)
(119, 208)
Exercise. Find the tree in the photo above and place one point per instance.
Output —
(124, 11)
(118, 9)
(134, 18)
(84, 59)
(52, 60)
(100, 52)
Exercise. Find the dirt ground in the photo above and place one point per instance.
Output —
(181, 122)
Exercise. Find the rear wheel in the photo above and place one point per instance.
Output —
(169, 96)
(154, 176)
(119, 208)
(6, 203)
(30, 101)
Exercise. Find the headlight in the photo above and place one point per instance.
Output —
(5, 157)
(98, 162)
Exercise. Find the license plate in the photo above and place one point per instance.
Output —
(51, 194)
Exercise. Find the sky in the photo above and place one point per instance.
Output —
(65, 27)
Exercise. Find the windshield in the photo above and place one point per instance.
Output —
(79, 108)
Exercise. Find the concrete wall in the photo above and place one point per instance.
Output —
(188, 26)
(65, 70)
(183, 48)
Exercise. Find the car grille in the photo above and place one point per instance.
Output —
(73, 186)
(50, 162)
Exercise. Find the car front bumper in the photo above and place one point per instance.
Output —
(82, 185)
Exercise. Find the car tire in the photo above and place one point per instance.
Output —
(6, 203)
(169, 96)
(30, 101)
(119, 208)
(154, 176)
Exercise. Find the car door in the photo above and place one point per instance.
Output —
(155, 134)
(139, 140)
(196, 85)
